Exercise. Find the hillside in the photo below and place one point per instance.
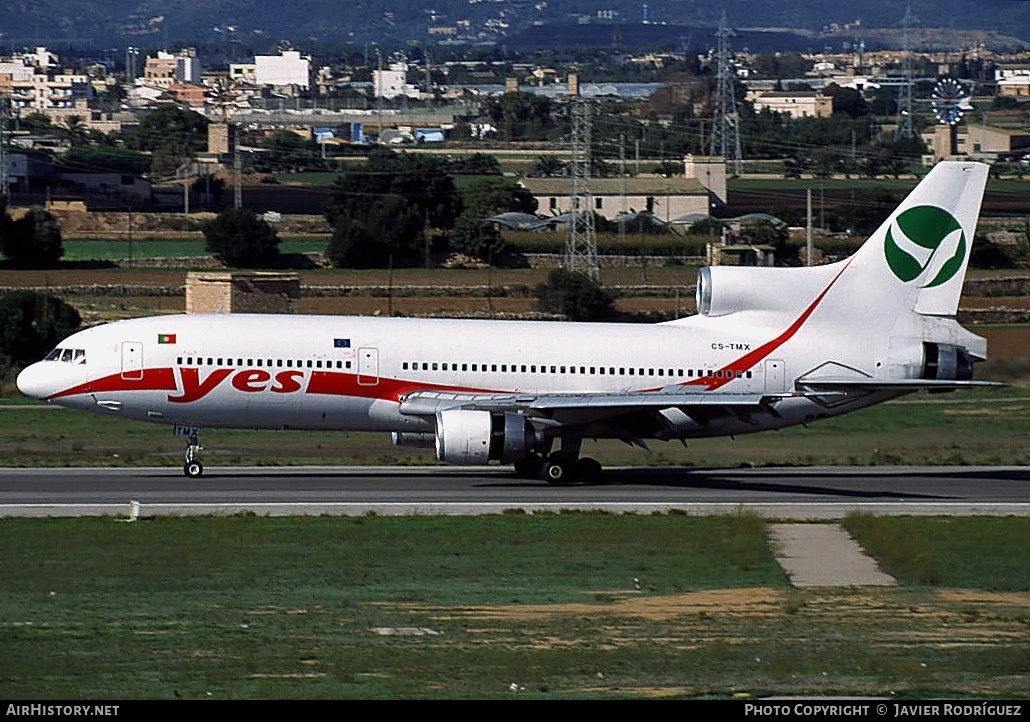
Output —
(159, 23)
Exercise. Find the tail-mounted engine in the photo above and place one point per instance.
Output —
(944, 361)
(475, 437)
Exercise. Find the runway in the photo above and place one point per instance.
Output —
(779, 493)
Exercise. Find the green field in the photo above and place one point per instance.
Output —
(535, 606)
(106, 249)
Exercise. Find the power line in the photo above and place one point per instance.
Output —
(581, 246)
(725, 139)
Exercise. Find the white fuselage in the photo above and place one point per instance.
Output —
(351, 373)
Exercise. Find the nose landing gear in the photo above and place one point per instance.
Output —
(192, 468)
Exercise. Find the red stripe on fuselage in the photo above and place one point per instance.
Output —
(162, 379)
(750, 360)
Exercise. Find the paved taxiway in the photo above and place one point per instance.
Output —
(786, 493)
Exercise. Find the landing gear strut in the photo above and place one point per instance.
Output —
(565, 466)
(192, 468)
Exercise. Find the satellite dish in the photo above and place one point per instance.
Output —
(949, 101)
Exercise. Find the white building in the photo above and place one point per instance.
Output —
(1013, 80)
(393, 83)
(287, 68)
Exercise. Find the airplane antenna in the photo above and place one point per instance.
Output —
(581, 246)
(725, 137)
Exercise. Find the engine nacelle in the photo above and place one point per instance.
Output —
(475, 437)
(722, 290)
(945, 361)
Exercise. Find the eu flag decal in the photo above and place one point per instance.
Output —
(166, 338)
(341, 343)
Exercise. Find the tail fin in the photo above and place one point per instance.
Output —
(918, 257)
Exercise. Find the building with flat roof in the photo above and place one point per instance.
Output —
(665, 198)
(286, 69)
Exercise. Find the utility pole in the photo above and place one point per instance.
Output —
(622, 189)
(581, 246)
(808, 230)
(5, 188)
(237, 168)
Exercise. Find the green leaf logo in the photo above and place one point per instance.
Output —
(924, 227)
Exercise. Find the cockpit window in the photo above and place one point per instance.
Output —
(67, 355)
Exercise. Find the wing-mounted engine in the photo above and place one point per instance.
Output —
(723, 290)
(467, 436)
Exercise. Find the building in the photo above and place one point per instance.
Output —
(393, 83)
(801, 104)
(168, 69)
(286, 71)
(709, 171)
(981, 142)
(253, 292)
(34, 84)
(1013, 80)
(992, 143)
(665, 198)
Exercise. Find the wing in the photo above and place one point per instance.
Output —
(627, 416)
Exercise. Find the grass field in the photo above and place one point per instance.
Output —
(567, 606)
(108, 249)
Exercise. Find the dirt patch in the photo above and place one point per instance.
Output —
(762, 601)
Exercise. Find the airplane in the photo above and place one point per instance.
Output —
(768, 348)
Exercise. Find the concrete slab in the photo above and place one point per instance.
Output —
(824, 555)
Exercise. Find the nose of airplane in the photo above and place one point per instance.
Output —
(34, 381)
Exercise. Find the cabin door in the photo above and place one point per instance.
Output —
(132, 361)
(368, 366)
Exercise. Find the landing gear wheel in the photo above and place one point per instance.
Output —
(557, 473)
(589, 471)
(193, 469)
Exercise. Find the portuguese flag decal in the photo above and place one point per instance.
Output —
(166, 338)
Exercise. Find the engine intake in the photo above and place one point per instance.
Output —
(465, 436)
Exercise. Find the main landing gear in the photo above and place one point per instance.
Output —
(561, 467)
(192, 468)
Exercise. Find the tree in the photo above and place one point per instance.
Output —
(172, 135)
(548, 166)
(238, 237)
(475, 237)
(520, 116)
(33, 323)
(390, 228)
(422, 182)
(489, 196)
(32, 241)
(574, 295)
